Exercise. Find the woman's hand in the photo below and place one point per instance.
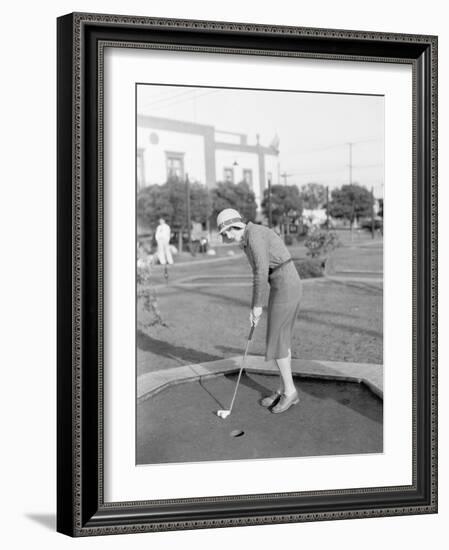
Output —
(255, 315)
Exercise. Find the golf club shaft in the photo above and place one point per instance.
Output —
(241, 368)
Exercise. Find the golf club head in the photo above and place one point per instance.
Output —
(223, 414)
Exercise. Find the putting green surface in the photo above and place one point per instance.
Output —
(180, 424)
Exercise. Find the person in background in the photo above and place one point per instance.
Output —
(195, 236)
(163, 242)
(271, 264)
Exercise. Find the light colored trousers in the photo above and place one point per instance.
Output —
(163, 252)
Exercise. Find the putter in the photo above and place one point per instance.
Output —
(224, 413)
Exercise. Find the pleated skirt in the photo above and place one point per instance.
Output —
(283, 308)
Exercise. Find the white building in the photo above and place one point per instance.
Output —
(316, 216)
(168, 147)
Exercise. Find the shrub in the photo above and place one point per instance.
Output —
(147, 296)
(310, 268)
(320, 243)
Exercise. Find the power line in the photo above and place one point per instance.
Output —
(337, 169)
(334, 146)
(171, 101)
(166, 98)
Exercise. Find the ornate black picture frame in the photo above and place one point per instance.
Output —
(81, 509)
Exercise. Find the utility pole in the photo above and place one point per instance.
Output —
(284, 175)
(285, 218)
(350, 162)
(270, 222)
(188, 212)
(350, 183)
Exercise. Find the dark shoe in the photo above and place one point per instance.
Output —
(285, 403)
(270, 399)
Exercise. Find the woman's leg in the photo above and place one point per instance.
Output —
(287, 385)
(290, 395)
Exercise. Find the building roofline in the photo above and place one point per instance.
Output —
(223, 145)
(161, 123)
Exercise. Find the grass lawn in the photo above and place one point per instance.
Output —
(363, 258)
(339, 321)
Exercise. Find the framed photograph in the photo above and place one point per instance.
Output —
(247, 274)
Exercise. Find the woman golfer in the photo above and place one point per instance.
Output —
(271, 263)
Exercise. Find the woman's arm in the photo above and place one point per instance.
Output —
(258, 248)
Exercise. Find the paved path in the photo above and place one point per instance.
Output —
(151, 383)
(356, 278)
(201, 260)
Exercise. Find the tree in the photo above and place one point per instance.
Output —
(169, 201)
(238, 196)
(313, 195)
(200, 203)
(153, 202)
(350, 202)
(285, 200)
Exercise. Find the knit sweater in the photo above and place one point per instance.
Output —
(264, 250)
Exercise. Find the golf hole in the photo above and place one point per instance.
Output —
(237, 433)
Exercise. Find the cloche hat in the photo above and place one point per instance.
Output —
(229, 218)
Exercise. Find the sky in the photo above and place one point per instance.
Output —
(315, 129)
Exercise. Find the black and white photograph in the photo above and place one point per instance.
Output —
(215, 337)
(259, 273)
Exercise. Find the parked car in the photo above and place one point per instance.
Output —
(366, 223)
